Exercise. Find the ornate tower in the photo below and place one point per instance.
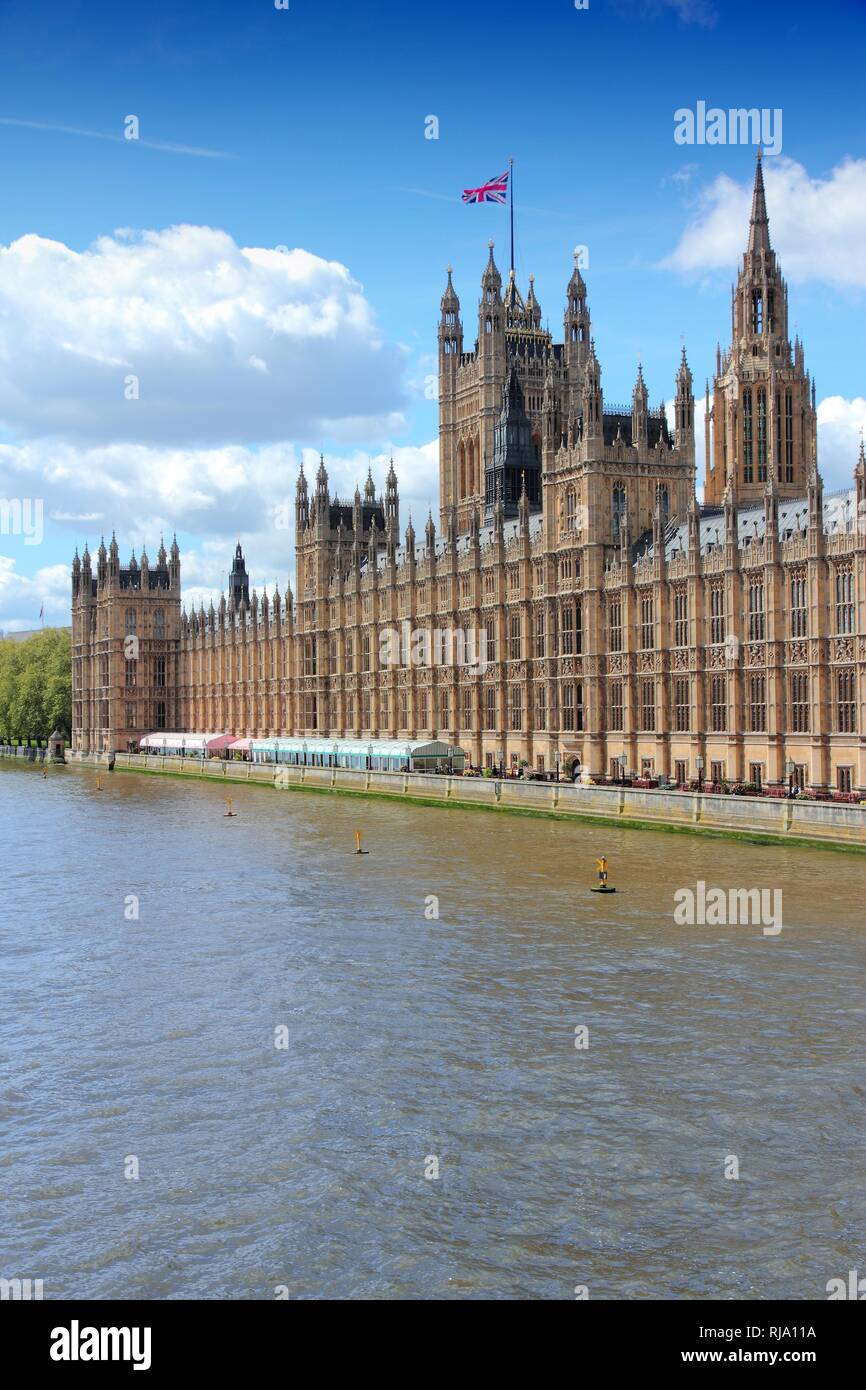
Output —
(125, 648)
(515, 468)
(763, 411)
(239, 583)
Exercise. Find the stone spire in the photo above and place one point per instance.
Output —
(491, 279)
(533, 308)
(759, 223)
(639, 401)
(302, 501)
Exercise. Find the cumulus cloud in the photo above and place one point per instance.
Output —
(841, 424)
(22, 596)
(223, 342)
(818, 225)
(214, 495)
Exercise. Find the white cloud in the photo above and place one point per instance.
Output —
(817, 225)
(227, 343)
(840, 426)
(22, 596)
(216, 495)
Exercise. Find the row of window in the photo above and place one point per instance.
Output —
(844, 704)
(463, 714)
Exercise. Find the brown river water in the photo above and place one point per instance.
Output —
(285, 1042)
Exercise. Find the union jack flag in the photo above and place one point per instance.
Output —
(494, 191)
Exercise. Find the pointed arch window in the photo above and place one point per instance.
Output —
(757, 311)
(762, 435)
(747, 436)
(619, 506)
(789, 438)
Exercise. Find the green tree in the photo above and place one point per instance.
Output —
(36, 685)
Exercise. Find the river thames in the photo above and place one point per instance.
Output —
(285, 1042)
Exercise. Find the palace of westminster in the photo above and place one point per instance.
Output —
(622, 624)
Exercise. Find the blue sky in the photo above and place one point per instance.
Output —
(309, 127)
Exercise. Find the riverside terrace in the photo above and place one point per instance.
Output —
(768, 820)
(428, 756)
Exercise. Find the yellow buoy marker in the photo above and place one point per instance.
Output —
(358, 849)
(602, 886)
(99, 784)
(229, 811)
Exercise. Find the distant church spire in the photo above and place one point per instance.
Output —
(239, 583)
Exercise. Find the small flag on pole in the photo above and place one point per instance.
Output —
(494, 191)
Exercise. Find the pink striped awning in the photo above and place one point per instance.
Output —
(217, 745)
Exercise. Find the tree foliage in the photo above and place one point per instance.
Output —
(36, 685)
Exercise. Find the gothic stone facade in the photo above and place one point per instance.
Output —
(619, 622)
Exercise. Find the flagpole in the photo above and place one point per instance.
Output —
(511, 183)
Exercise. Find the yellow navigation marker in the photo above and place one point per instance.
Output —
(229, 811)
(602, 886)
(99, 784)
(358, 849)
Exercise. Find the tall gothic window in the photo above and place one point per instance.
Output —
(465, 707)
(799, 719)
(756, 610)
(719, 704)
(757, 704)
(844, 599)
(618, 508)
(490, 707)
(681, 705)
(515, 708)
(747, 435)
(615, 625)
(762, 435)
(647, 706)
(681, 618)
(789, 438)
(571, 638)
(614, 720)
(514, 637)
(846, 719)
(799, 610)
(539, 633)
(717, 613)
(647, 623)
